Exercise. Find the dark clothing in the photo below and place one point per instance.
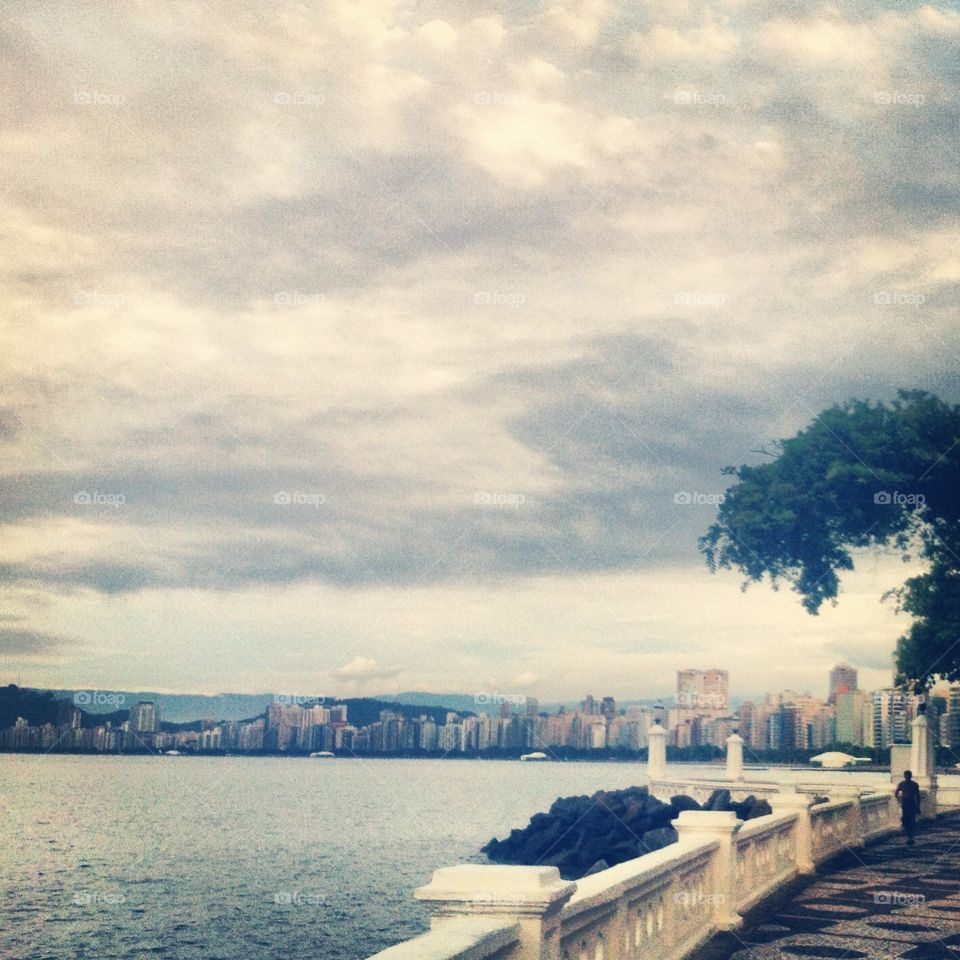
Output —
(909, 795)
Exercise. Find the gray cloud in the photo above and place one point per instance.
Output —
(481, 309)
(19, 642)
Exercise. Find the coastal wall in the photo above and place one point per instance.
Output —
(660, 906)
(948, 791)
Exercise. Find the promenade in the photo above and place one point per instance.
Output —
(886, 900)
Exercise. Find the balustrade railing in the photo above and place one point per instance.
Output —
(766, 857)
(660, 906)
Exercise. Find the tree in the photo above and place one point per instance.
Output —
(861, 475)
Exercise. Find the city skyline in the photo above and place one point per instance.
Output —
(700, 714)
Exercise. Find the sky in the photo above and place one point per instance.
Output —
(360, 347)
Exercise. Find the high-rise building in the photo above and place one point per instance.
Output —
(950, 721)
(145, 717)
(892, 713)
(703, 690)
(843, 679)
(850, 706)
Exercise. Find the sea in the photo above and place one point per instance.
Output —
(253, 858)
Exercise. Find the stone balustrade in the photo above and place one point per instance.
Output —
(834, 828)
(877, 812)
(479, 939)
(653, 906)
(766, 857)
(660, 906)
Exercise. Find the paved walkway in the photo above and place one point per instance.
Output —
(885, 901)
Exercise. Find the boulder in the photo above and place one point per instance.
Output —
(719, 800)
(760, 809)
(657, 839)
(581, 835)
(680, 802)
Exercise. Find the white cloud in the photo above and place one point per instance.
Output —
(363, 669)
(456, 255)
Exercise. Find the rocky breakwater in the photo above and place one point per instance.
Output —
(581, 835)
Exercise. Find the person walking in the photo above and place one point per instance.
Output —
(908, 793)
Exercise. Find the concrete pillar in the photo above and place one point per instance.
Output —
(734, 757)
(923, 763)
(789, 801)
(700, 825)
(656, 753)
(530, 896)
(899, 761)
(922, 755)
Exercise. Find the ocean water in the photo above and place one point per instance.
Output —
(209, 858)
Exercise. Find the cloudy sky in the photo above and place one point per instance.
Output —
(365, 346)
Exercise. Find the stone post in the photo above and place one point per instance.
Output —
(923, 764)
(789, 801)
(530, 896)
(899, 761)
(700, 825)
(922, 759)
(734, 756)
(656, 753)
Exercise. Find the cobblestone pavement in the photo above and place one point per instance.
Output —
(883, 901)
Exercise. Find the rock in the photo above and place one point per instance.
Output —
(657, 839)
(719, 800)
(760, 809)
(679, 803)
(581, 835)
(659, 813)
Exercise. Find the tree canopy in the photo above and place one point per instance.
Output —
(861, 475)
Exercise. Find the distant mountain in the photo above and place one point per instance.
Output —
(457, 702)
(187, 707)
(174, 707)
(489, 702)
